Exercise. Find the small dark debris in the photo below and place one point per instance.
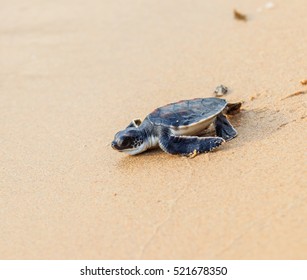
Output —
(239, 16)
(220, 90)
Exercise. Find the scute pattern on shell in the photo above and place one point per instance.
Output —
(187, 112)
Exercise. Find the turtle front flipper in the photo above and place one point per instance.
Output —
(135, 123)
(188, 145)
(224, 129)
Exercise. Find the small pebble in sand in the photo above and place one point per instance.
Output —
(303, 82)
(269, 5)
(252, 98)
(220, 90)
(239, 16)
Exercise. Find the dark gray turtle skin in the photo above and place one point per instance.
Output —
(176, 127)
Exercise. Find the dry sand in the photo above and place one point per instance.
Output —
(75, 72)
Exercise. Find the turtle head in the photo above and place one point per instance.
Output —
(130, 140)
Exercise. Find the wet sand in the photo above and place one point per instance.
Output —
(73, 73)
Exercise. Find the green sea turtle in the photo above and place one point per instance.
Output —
(174, 128)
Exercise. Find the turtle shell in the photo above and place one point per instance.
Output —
(187, 112)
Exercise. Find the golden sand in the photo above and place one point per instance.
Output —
(73, 73)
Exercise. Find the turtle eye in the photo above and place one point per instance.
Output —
(126, 142)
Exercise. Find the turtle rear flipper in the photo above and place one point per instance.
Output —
(188, 145)
(224, 129)
(233, 108)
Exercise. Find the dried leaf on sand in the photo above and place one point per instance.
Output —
(239, 16)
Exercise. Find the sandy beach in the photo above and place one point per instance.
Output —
(73, 73)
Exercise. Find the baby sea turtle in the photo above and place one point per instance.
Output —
(174, 128)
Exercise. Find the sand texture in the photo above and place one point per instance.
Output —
(73, 73)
